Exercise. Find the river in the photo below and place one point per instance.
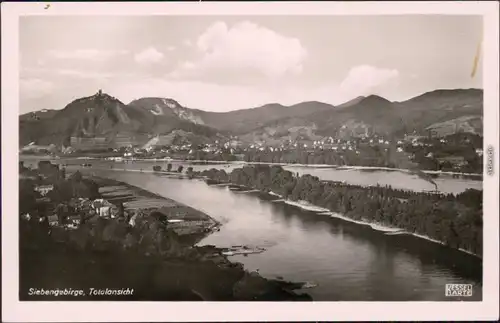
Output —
(395, 179)
(347, 261)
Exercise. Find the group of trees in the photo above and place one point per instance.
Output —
(224, 155)
(453, 220)
(75, 186)
(27, 196)
(64, 189)
(375, 155)
(368, 156)
(456, 145)
(180, 168)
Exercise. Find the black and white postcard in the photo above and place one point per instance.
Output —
(250, 161)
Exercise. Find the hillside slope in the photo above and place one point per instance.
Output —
(441, 112)
(246, 120)
(105, 120)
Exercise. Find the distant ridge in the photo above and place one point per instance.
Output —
(351, 102)
(104, 116)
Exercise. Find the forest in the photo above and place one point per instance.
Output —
(369, 157)
(424, 157)
(457, 221)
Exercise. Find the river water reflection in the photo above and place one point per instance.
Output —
(396, 179)
(348, 262)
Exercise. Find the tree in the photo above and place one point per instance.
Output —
(454, 220)
(121, 210)
(63, 173)
(180, 168)
(27, 196)
(77, 176)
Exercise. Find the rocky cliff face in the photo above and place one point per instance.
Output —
(167, 107)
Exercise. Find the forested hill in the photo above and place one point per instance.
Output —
(441, 112)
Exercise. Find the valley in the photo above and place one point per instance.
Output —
(365, 131)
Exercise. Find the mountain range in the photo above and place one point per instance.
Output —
(104, 120)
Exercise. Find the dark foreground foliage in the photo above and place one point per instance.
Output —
(148, 257)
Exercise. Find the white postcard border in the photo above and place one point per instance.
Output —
(15, 311)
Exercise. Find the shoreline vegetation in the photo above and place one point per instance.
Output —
(389, 230)
(146, 248)
(453, 221)
(154, 255)
(459, 153)
(240, 162)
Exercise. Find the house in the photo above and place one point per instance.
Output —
(53, 220)
(330, 146)
(71, 226)
(413, 138)
(240, 156)
(43, 200)
(75, 219)
(105, 211)
(454, 160)
(44, 189)
(133, 219)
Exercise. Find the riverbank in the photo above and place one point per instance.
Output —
(304, 205)
(338, 167)
(310, 207)
(153, 254)
(189, 223)
(453, 219)
(375, 226)
(417, 183)
(197, 274)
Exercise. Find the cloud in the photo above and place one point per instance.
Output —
(86, 54)
(33, 88)
(210, 96)
(149, 56)
(366, 79)
(48, 73)
(187, 42)
(246, 48)
(83, 74)
(171, 48)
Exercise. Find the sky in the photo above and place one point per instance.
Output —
(223, 63)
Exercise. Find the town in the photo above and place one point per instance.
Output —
(459, 152)
(47, 196)
(66, 218)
